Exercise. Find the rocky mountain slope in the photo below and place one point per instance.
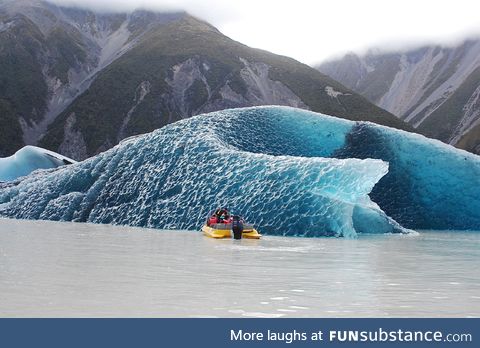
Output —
(77, 82)
(436, 89)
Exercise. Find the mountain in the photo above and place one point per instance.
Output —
(436, 89)
(50, 55)
(77, 82)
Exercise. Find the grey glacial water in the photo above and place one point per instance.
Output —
(50, 269)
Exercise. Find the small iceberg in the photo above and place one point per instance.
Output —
(29, 159)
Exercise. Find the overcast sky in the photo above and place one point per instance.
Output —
(312, 31)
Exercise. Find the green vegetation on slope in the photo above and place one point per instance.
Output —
(22, 88)
(21, 80)
(68, 49)
(25, 56)
(101, 110)
(10, 141)
(309, 84)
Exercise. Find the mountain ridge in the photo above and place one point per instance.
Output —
(100, 77)
(434, 88)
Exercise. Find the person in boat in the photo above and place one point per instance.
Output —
(212, 220)
(215, 217)
(224, 216)
(221, 216)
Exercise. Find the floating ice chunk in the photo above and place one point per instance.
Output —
(28, 159)
(289, 171)
(245, 159)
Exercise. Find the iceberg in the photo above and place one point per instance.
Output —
(289, 171)
(28, 159)
(173, 177)
(430, 185)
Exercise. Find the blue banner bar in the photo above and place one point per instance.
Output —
(212, 333)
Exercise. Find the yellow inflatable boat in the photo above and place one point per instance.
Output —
(225, 231)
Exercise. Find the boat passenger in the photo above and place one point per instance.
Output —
(224, 218)
(212, 220)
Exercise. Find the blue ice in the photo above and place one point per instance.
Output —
(289, 171)
(28, 159)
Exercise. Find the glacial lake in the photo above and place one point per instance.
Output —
(51, 269)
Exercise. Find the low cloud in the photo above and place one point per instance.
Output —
(311, 31)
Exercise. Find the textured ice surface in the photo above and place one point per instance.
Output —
(289, 171)
(265, 163)
(430, 185)
(28, 159)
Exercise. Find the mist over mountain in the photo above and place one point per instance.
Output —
(434, 88)
(77, 81)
